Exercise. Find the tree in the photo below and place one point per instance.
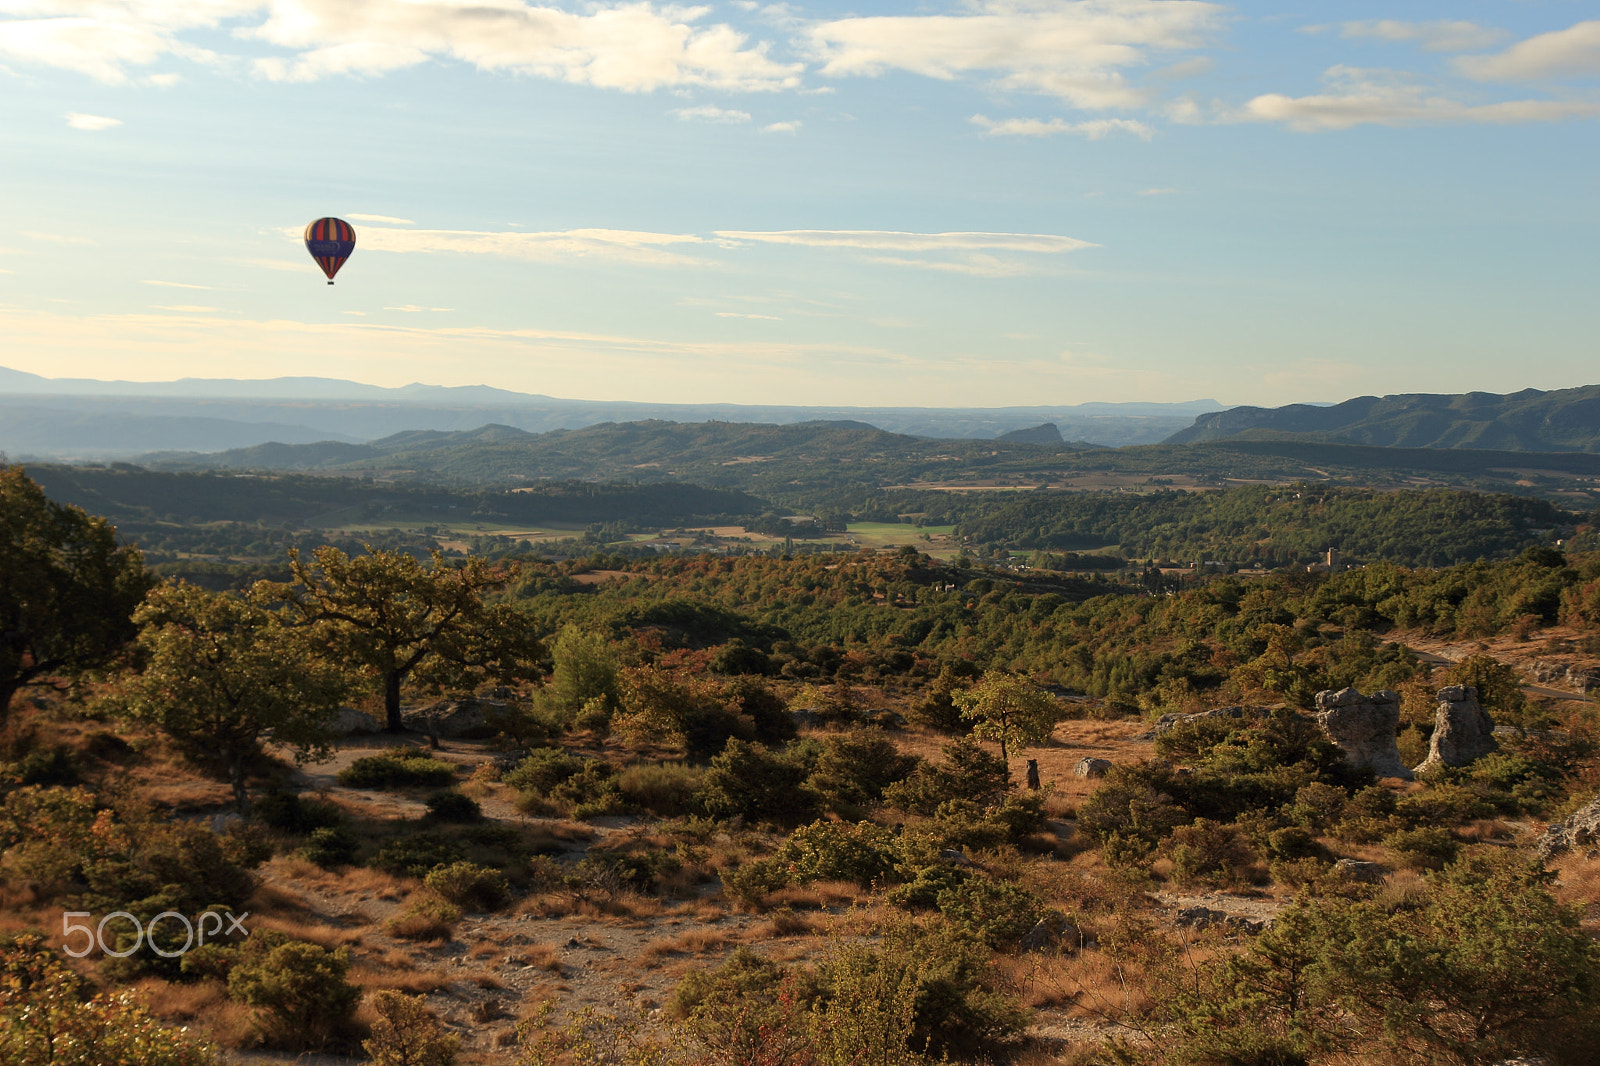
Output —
(67, 589)
(399, 620)
(407, 1034)
(225, 673)
(1008, 709)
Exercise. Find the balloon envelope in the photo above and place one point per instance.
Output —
(330, 242)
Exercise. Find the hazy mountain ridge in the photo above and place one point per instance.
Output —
(1530, 420)
(345, 410)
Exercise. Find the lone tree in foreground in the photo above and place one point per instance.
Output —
(224, 674)
(67, 589)
(399, 620)
(1009, 709)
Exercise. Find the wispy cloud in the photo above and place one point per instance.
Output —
(1572, 51)
(624, 246)
(54, 238)
(79, 121)
(1156, 192)
(1093, 129)
(782, 127)
(740, 314)
(894, 240)
(632, 46)
(1075, 49)
(412, 308)
(386, 219)
(185, 308)
(711, 113)
(1440, 35)
(177, 285)
(1380, 97)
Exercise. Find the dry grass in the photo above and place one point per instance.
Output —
(541, 956)
(819, 895)
(784, 922)
(694, 942)
(183, 1003)
(327, 936)
(412, 981)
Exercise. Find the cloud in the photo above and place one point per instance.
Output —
(1442, 35)
(415, 307)
(177, 285)
(624, 246)
(710, 113)
(1572, 51)
(390, 220)
(976, 265)
(54, 238)
(1156, 192)
(893, 240)
(186, 308)
(737, 314)
(1094, 129)
(1074, 49)
(79, 121)
(791, 126)
(632, 46)
(1378, 97)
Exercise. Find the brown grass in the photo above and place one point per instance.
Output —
(183, 1003)
(694, 942)
(328, 936)
(414, 982)
(543, 956)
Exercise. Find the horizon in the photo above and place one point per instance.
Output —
(993, 203)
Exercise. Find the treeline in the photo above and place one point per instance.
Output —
(130, 495)
(1268, 525)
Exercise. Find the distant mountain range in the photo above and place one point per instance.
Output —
(77, 418)
(1530, 420)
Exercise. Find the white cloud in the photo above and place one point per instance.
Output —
(1156, 192)
(1379, 97)
(1075, 49)
(1572, 51)
(54, 238)
(79, 121)
(185, 308)
(412, 308)
(1441, 35)
(389, 219)
(737, 314)
(977, 265)
(791, 126)
(625, 246)
(633, 46)
(178, 285)
(711, 113)
(893, 240)
(1094, 129)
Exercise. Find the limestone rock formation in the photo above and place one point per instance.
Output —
(1091, 768)
(1463, 732)
(1580, 830)
(457, 719)
(1365, 728)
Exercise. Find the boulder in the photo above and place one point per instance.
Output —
(1463, 732)
(954, 857)
(1580, 831)
(467, 718)
(1370, 873)
(351, 722)
(1091, 768)
(1167, 722)
(1057, 933)
(1364, 728)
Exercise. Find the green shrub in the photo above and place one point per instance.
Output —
(1443, 805)
(452, 806)
(753, 782)
(301, 998)
(397, 768)
(414, 856)
(329, 848)
(921, 892)
(854, 769)
(996, 912)
(1132, 805)
(469, 885)
(1205, 852)
(407, 1034)
(1426, 848)
(836, 851)
(541, 770)
(968, 772)
(426, 916)
(289, 813)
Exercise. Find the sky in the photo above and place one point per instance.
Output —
(988, 203)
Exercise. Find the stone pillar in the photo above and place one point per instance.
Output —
(1365, 728)
(1033, 773)
(1463, 732)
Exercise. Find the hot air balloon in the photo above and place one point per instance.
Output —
(330, 242)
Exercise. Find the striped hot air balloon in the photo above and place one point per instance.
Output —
(330, 242)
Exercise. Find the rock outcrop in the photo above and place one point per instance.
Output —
(1365, 728)
(468, 718)
(351, 722)
(1091, 768)
(1581, 831)
(1463, 732)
